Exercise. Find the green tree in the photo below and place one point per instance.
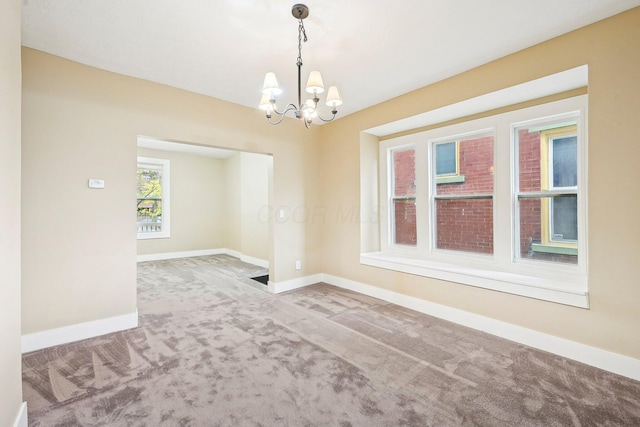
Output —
(149, 194)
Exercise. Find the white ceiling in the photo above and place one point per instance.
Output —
(373, 50)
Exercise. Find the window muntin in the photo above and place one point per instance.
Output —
(403, 196)
(152, 204)
(463, 210)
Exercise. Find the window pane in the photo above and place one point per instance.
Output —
(564, 219)
(465, 225)
(547, 157)
(475, 164)
(149, 203)
(405, 221)
(446, 161)
(564, 165)
(404, 173)
(537, 236)
(403, 198)
(529, 160)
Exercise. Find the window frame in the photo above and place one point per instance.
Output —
(549, 131)
(435, 180)
(548, 138)
(387, 193)
(165, 166)
(503, 270)
(448, 178)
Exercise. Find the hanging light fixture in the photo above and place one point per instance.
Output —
(307, 110)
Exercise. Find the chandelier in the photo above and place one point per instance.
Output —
(309, 109)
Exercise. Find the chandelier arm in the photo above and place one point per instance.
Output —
(288, 108)
(282, 115)
(328, 120)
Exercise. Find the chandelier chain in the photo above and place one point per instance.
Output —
(301, 32)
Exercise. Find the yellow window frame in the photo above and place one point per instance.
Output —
(451, 177)
(545, 141)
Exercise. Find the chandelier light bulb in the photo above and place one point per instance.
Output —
(266, 104)
(310, 109)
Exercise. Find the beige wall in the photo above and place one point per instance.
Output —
(254, 205)
(233, 237)
(215, 204)
(248, 211)
(10, 362)
(79, 122)
(197, 191)
(611, 49)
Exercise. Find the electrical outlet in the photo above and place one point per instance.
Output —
(298, 265)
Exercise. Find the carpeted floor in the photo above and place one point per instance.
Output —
(215, 349)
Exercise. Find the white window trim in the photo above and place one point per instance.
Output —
(503, 270)
(573, 78)
(165, 164)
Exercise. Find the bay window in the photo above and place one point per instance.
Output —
(497, 202)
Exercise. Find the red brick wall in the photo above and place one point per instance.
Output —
(404, 186)
(404, 171)
(405, 216)
(529, 177)
(476, 161)
(467, 225)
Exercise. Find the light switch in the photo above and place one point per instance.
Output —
(96, 183)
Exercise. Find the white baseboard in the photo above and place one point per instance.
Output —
(184, 254)
(609, 361)
(21, 419)
(77, 332)
(255, 261)
(203, 252)
(246, 258)
(289, 285)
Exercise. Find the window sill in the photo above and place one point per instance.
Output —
(550, 249)
(450, 179)
(562, 291)
(155, 235)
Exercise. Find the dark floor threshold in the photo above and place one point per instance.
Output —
(261, 279)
